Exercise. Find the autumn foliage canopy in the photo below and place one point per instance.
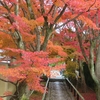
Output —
(36, 33)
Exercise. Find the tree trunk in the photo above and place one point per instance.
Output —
(98, 92)
(83, 83)
(92, 70)
(21, 90)
(47, 37)
(97, 69)
(97, 65)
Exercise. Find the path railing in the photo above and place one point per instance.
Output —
(73, 89)
(45, 91)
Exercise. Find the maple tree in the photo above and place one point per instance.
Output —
(68, 40)
(29, 24)
(87, 30)
(88, 37)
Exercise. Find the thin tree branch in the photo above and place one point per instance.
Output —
(8, 81)
(42, 6)
(80, 42)
(75, 16)
(7, 32)
(11, 6)
(24, 12)
(69, 20)
(8, 96)
(5, 5)
(57, 18)
(50, 9)
(32, 15)
(91, 6)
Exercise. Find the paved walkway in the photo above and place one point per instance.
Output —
(58, 91)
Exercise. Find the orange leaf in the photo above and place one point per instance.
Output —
(8, 93)
(1, 99)
(40, 20)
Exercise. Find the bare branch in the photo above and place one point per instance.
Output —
(75, 16)
(42, 6)
(8, 81)
(7, 96)
(91, 6)
(5, 5)
(7, 32)
(57, 18)
(50, 9)
(32, 15)
(11, 6)
(69, 20)
(80, 42)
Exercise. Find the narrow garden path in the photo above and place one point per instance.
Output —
(58, 91)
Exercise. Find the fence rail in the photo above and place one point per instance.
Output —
(76, 92)
(46, 86)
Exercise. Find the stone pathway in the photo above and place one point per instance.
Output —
(58, 91)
